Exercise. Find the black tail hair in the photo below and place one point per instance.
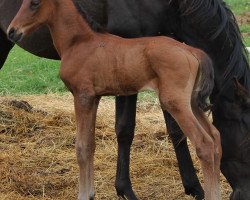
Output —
(204, 82)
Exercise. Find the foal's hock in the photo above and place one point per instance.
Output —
(95, 64)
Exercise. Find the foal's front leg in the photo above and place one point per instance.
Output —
(85, 110)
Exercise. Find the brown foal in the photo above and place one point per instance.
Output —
(96, 64)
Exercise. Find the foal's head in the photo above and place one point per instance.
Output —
(32, 14)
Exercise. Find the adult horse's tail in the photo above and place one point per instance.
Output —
(205, 80)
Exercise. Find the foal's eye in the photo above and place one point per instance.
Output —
(34, 4)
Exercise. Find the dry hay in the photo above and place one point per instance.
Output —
(37, 155)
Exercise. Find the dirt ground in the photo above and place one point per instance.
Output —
(37, 154)
(244, 19)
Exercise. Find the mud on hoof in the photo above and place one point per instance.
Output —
(196, 191)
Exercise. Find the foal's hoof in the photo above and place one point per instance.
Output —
(92, 196)
(195, 191)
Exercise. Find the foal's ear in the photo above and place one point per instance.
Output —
(242, 93)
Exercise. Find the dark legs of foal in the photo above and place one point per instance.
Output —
(5, 47)
(189, 178)
(125, 124)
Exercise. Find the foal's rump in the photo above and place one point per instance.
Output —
(182, 68)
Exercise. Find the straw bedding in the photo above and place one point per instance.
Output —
(37, 154)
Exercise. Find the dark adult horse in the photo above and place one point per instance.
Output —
(209, 25)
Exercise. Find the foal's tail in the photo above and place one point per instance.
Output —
(204, 83)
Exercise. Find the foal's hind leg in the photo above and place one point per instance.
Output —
(187, 171)
(125, 125)
(179, 107)
(5, 46)
(213, 132)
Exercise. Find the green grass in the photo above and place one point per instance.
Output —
(246, 29)
(247, 41)
(24, 73)
(239, 6)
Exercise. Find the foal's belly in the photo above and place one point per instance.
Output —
(117, 88)
(125, 82)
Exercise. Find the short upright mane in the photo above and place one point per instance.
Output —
(95, 26)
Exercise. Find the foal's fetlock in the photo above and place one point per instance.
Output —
(82, 198)
(87, 196)
(206, 155)
(92, 194)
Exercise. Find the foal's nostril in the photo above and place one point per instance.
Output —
(11, 33)
(14, 35)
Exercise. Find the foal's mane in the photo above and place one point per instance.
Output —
(95, 26)
(214, 21)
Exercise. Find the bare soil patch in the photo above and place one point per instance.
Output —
(244, 19)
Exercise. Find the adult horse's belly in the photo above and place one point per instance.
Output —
(40, 44)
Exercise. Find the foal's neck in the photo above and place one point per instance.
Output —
(67, 26)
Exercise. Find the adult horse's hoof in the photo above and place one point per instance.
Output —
(124, 190)
(196, 191)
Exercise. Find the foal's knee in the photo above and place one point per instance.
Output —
(84, 152)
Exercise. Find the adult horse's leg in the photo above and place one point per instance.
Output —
(5, 46)
(188, 175)
(125, 125)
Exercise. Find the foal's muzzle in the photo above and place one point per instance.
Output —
(14, 35)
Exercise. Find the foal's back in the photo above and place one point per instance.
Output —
(121, 66)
